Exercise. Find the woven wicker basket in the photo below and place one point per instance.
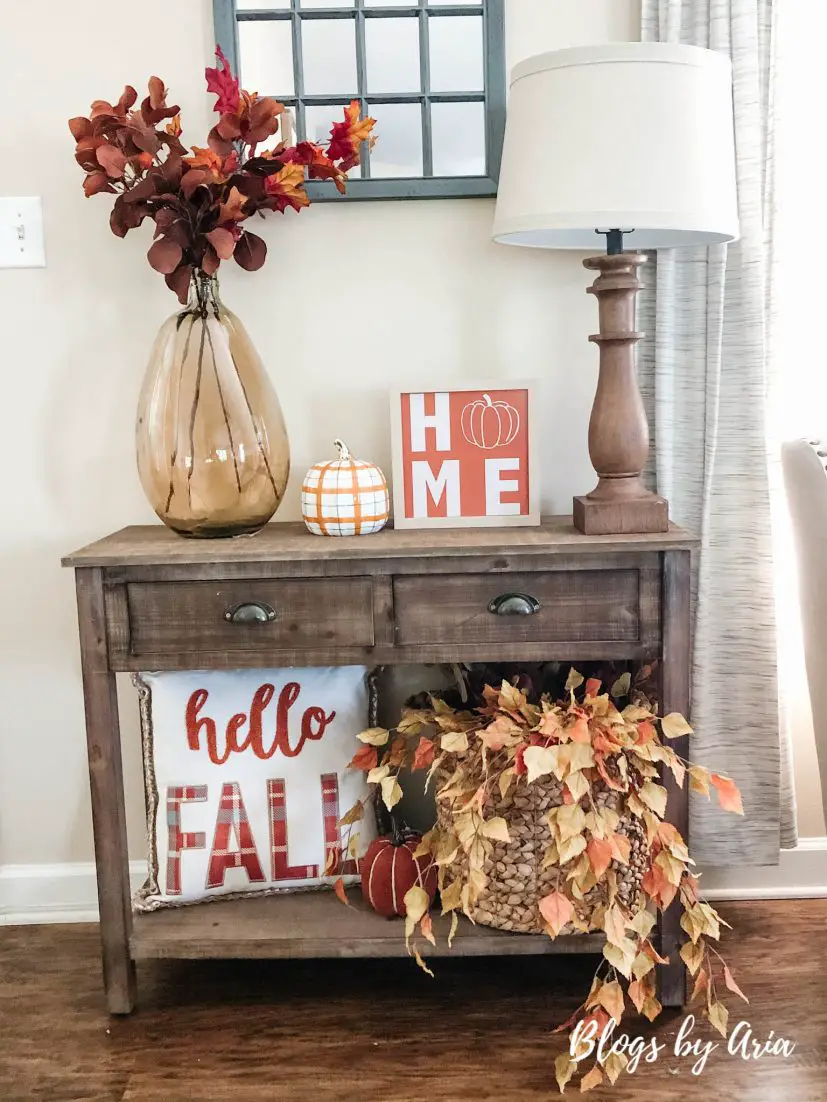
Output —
(516, 879)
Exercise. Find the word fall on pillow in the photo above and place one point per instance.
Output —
(246, 780)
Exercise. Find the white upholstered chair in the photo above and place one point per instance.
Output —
(805, 476)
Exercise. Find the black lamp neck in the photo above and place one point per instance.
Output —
(614, 241)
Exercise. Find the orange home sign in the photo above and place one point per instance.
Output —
(464, 457)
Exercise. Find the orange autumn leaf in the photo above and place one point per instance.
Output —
(286, 187)
(232, 209)
(645, 733)
(600, 853)
(424, 754)
(593, 686)
(729, 796)
(556, 910)
(638, 993)
(365, 758)
(341, 894)
(621, 848)
(591, 1079)
(347, 136)
(729, 980)
(579, 731)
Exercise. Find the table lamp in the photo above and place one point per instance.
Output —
(633, 141)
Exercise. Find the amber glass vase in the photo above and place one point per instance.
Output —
(213, 454)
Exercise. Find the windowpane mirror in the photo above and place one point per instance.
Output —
(456, 53)
(400, 154)
(266, 50)
(392, 55)
(458, 136)
(329, 57)
(431, 72)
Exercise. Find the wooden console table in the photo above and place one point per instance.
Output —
(149, 600)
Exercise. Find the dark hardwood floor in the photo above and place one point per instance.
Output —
(381, 1031)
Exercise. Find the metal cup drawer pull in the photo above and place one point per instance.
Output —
(250, 612)
(514, 604)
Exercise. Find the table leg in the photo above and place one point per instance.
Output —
(106, 782)
(675, 675)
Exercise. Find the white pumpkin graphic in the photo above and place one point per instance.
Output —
(489, 424)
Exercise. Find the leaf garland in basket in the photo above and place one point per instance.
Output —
(607, 762)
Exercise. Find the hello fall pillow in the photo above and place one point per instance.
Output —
(246, 780)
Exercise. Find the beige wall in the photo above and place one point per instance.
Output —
(394, 291)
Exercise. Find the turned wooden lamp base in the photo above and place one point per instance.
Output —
(618, 430)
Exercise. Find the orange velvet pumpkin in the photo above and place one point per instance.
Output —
(389, 869)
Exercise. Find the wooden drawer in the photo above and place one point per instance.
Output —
(612, 606)
(212, 621)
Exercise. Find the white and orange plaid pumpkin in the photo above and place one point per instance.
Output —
(345, 497)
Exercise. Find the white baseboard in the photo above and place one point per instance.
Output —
(66, 893)
(54, 893)
(801, 873)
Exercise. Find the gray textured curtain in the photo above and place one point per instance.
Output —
(705, 374)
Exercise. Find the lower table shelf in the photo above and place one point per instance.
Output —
(316, 924)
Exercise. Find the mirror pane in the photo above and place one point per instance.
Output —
(261, 5)
(398, 149)
(458, 138)
(456, 53)
(392, 55)
(265, 51)
(326, 3)
(455, 3)
(329, 56)
(317, 124)
(391, 4)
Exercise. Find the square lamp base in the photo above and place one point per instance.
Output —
(649, 513)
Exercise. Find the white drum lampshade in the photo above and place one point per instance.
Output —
(634, 140)
(636, 136)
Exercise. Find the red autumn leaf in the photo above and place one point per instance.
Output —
(424, 753)
(556, 911)
(222, 241)
(222, 82)
(81, 127)
(341, 894)
(347, 136)
(195, 178)
(599, 852)
(164, 255)
(593, 686)
(179, 282)
(157, 93)
(95, 182)
(365, 758)
(729, 796)
(210, 261)
(111, 159)
(520, 767)
(250, 252)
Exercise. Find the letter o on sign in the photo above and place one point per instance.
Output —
(489, 424)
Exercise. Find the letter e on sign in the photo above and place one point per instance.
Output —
(465, 457)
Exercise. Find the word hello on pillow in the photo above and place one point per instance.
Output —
(246, 780)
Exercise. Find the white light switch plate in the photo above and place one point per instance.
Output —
(21, 232)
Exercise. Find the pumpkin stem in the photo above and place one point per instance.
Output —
(398, 831)
(342, 447)
(487, 398)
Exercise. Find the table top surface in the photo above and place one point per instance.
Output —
(156, 545)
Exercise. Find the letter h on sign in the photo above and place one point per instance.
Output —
(465, 457)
